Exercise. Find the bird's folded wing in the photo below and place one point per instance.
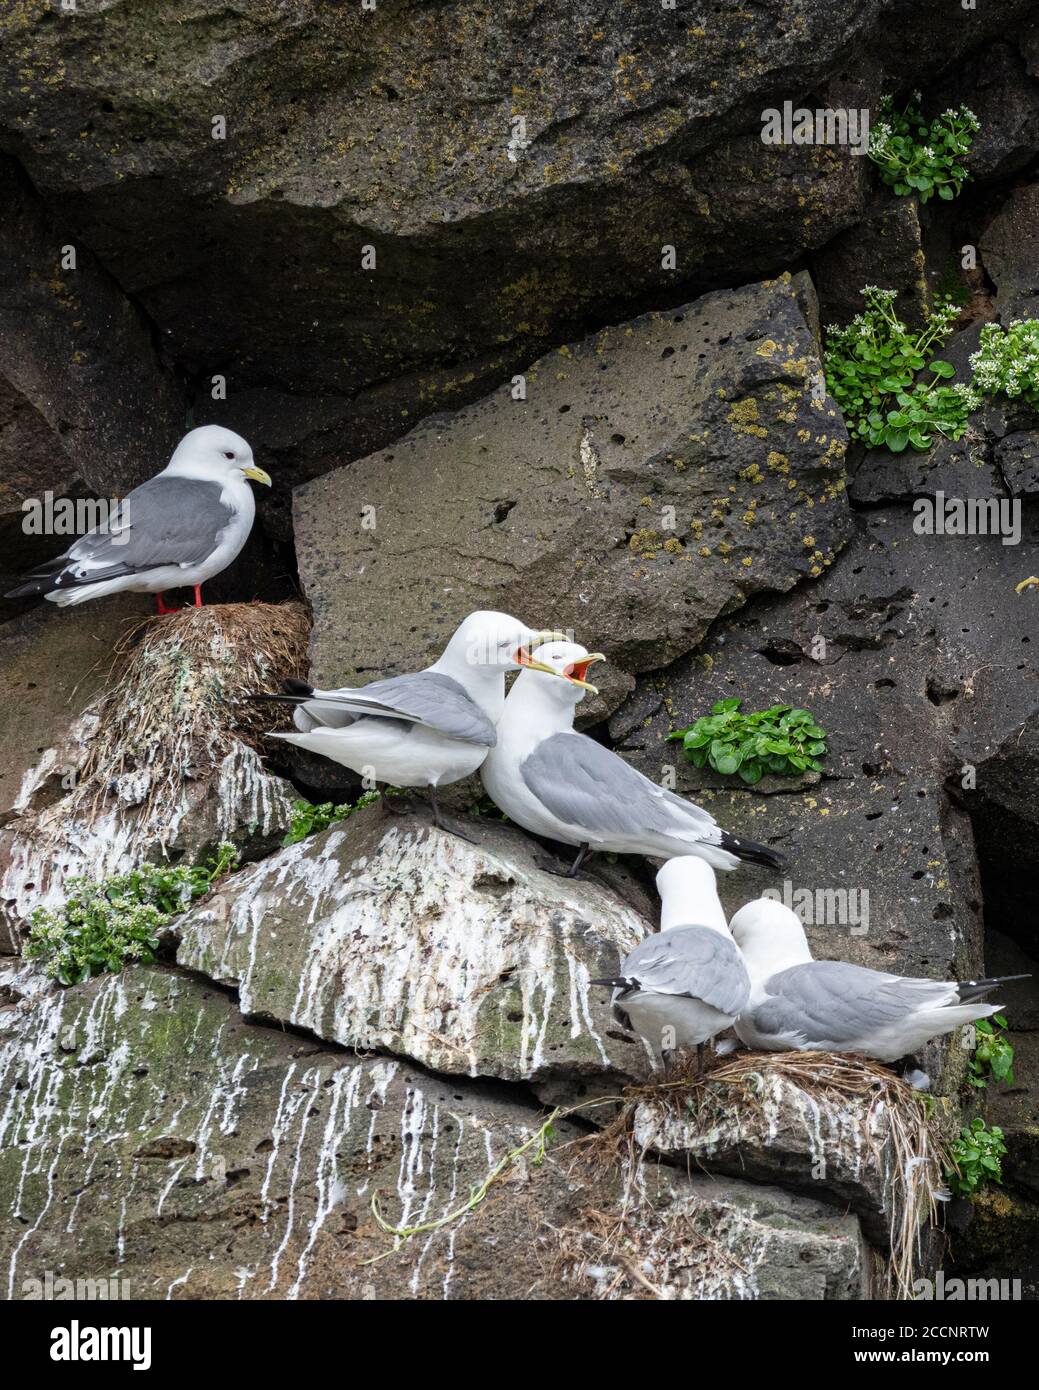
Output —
(584, 784)
(424, 697)
(834, 1002)
(165, 521)
(693, 961)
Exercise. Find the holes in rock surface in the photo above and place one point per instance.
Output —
(941, 692)
(502, 509)
(782, 653)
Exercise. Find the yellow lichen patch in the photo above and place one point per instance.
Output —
(747, 561)
(743, 418)
(752, 473)
(768, 348)
(673, 545)
(809, 541)
(646, 541)
(779, 463)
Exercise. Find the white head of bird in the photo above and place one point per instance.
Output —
(770, 936)
(560, 659)
(491, 641)
(215, 455)
(689, 894)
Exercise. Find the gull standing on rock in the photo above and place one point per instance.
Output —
(687, 982)
(173, 532)
(798, 1004)
(563, 785)
(425, 729)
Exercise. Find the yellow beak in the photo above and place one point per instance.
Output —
(257, 474)
(581, 667)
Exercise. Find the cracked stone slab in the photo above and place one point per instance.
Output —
(655, 476)
(153, 1139)
(395, 936)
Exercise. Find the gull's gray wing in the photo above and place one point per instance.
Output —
(165, 521)
(831, 1002)
(424, 697)
(694, 961)
(584, 784)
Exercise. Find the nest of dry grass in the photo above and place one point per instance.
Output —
(175, 704)
(895, 1124)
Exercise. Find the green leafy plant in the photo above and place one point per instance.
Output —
(310, 819)
(977, 1155)
(872, 368)
(781, 740)
(103, 924)
(914, 156)
(1007, 361)
(993, 1056)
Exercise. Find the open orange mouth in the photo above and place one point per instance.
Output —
(578, 672)
(575, 673)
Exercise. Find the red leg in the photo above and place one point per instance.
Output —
(198, 595)
(163, 610)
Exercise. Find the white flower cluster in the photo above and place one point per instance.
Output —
(1007, 362)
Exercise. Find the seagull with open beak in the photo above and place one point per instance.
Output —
(565, 786)
(427, 728)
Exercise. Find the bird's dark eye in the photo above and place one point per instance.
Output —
(228, 455)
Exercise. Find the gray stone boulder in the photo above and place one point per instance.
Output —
(158, 1143)
(386, 934)
(656, 475)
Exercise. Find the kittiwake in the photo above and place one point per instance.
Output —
(687, 982)
(173, 532)
(798, 1004)
(424, 729)
(566, 786)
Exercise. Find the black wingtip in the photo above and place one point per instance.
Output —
(613, 984)
(295, 692)
(33, 588)
(752, 853)
(969, 990)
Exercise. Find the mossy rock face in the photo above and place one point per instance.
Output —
(633, 487)
(155, 1141)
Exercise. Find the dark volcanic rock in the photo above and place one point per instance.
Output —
(884, 249)
(1010, 251)
(79, 352)
(923, 673)
(655, 475)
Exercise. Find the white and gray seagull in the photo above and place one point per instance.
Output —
(687, 982)
(175, 531)
(565, 786)
(426, 728)
(798, 1004)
